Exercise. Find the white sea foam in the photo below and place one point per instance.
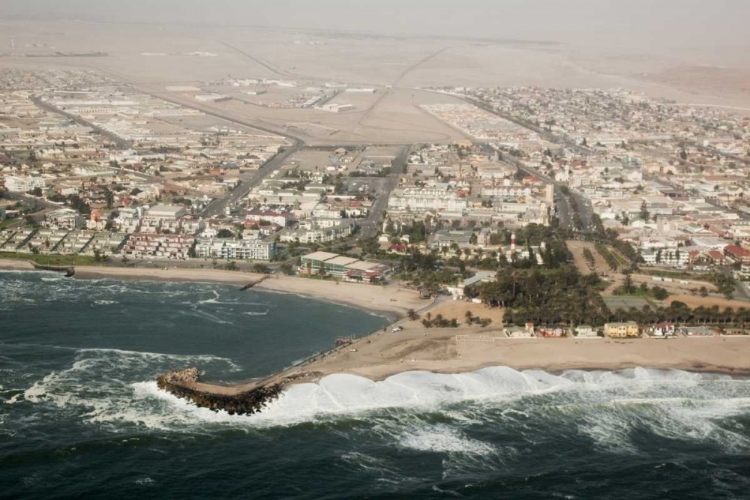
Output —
(608, 407)
(94, 387)
(442, 438)
(256, 313)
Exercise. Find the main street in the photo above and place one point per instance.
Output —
(369, 227)
(251, 180)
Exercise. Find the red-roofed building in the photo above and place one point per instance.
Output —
(716, 256)
(398, 248)
(737, 253)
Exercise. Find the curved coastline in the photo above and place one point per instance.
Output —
(450, 351)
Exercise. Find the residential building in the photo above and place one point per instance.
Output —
(219, 248)
(621, 330)
(23, 184)
(586, 331)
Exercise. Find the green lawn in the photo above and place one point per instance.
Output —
(52, 259)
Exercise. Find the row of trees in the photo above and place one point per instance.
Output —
(439, 322)
(679, 312)
(608, 257)
(627, 250)
(589, 257)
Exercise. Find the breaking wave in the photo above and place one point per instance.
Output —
(417, 411)
(606, 407)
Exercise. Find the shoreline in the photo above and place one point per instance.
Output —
(466, 349)
(391, 302)
(380, 355)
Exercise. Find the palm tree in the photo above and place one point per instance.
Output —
(412, 315)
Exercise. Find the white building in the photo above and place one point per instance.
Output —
(23, 184)
(65, 218)
(234, 249)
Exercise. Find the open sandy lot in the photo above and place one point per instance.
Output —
(457, 309)
(698, 301)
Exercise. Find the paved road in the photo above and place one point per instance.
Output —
(369, 227)
(249, 181)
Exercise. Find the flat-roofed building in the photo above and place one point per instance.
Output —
(234, 249)
(167, 211)
(315, 261)
(23, 184)
(622, 330)
(337, 265)
(340, 266)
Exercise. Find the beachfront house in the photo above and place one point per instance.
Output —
(551, 331)
(621, 330)
(661, 330)
(697, 331)
(734, 332)
(520, 332)
(586, 331)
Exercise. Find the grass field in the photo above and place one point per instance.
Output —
(621, 302)
(52, 259)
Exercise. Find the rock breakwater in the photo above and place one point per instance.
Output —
(182, 383)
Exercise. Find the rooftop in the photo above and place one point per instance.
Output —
(321, 256)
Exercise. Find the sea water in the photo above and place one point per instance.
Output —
(80, 415)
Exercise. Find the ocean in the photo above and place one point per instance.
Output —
(80, 415)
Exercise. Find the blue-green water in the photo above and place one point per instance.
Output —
(81, 418)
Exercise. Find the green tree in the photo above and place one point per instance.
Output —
(109, 197)
(645, 215)
(261, 268)
(286, 268)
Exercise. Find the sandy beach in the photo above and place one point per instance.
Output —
(449, 350)
(15, 265)
(467, 349)
(390, 300)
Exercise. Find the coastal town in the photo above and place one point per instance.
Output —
(638, 203)
(344, 250)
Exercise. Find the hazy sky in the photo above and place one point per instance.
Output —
(674, 23)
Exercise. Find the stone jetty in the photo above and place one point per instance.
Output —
(69, 271)
(256, 282)
(186, 384)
